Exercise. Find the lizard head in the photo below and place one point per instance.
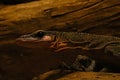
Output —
(37, 36)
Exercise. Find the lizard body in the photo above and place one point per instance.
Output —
(83, 41)
(80, 40)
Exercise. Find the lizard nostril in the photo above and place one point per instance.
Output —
(24, 36)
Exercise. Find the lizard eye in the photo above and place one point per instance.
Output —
(39, 34)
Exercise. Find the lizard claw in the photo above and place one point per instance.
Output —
(57, 45)
(53, 44)
(78, 47)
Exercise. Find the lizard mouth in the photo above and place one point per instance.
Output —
(28, 38)
(33, 42)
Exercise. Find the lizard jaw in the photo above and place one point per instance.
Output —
(27, 38)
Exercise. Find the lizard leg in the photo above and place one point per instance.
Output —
(78, 47)
(62, 44)
(53, 44)
(58, 44)
(114, 49)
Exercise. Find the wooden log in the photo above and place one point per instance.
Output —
(91, 75)
(78, 76)
(94, 16)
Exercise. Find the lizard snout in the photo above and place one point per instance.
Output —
(25, 36)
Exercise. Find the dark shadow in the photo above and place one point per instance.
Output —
(12, 2)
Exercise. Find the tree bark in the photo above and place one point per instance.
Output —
(93, 16)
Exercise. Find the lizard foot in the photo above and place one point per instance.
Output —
(58, 44)
(78, 47)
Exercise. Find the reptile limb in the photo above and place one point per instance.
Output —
(63, 45)
(78, 47)
(58, 44)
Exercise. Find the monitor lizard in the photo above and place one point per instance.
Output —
(109, 46)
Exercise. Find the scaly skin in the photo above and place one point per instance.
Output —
(74, 40)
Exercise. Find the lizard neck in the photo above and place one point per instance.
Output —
(53, 34)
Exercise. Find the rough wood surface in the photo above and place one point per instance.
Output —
(91, 76)
(94, 16)
(78, 76)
